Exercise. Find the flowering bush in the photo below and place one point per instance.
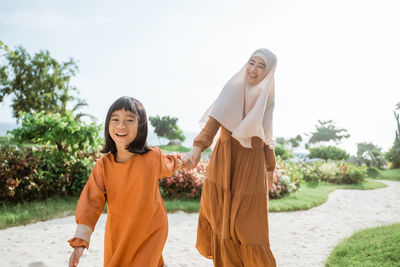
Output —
(286, 179)
(184, 184)
(338, 172)
(38, 172)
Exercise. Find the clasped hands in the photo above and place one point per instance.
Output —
(192, 158)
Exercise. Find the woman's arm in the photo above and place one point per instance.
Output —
(201, 142)
(270, 164)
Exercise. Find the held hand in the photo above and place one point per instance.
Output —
(75, 256)
(192, 158)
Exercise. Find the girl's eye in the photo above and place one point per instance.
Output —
(114, 119)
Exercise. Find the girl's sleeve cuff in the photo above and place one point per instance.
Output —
(77, 242)
(82, 236)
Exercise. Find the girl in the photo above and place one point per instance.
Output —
(127, 178)
(233, 219)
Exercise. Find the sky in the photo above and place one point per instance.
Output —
(337, 60)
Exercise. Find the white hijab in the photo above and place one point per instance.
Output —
(246, 110)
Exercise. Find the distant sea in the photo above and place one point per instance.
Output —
(152, 139)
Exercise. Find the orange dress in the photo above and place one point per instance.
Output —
(137, 227)
(233, 219)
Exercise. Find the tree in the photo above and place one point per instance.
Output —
(370, 154)
(393, 155)
(4, 47)
(38, 83)
(327, 131)
(62, 131)
(166, 127)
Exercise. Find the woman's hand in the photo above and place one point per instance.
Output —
(75, 256)
(192, 158)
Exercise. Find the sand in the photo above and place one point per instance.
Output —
(303, 238)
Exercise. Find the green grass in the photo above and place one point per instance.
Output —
(368, 248)
(30, 212)
(311, 195)
(186, 205)
(391, 174)
(367, 184)
(58, 207)
(314, 194)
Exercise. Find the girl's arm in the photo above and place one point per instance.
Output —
(90, 206)
(201, 143)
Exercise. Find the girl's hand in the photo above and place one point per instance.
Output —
(75, 256)
(192, 158)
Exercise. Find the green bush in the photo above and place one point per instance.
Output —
(338, 172)
(59, 162)
(393, 156)
(283, 152)
(184, 184)
(36, 173)
(59, 130)
(328, 152)
(287, 178)
(373, 172)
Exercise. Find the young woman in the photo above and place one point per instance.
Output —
(233, 220)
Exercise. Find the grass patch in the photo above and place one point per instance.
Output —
(371, 247)
(186, 205)
(30, 212)
(311, 195)
(315, 194)
(367, 184)
(58, 207)
(391, 174)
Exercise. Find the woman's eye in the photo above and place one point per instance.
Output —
(114, 119)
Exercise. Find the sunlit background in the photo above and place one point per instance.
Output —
(337, 60)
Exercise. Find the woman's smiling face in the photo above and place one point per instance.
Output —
(123, 128)
(255, 70)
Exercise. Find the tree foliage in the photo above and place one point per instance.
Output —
(59, 130)
(327, 131)
(328, 152)
(370, 154)
(167, 127)
(38, 83)
(393, 155)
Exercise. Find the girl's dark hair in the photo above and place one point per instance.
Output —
(139, 145)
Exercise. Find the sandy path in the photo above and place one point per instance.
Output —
(303, 238)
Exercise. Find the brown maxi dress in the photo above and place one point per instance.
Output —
(233, 219)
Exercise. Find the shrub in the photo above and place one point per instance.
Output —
(59, 130)
(373, 172)
(328, 152)
(287, 178)
(30, 172)
(184, 185)
(283, 152)
(338, 172)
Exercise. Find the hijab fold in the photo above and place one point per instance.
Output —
(246, 110)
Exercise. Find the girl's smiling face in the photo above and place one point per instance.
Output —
(255, 70)
(123, 128)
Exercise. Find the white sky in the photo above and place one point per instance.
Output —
(337, 59)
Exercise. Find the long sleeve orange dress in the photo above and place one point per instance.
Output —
(137, 227)
(233, 220)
